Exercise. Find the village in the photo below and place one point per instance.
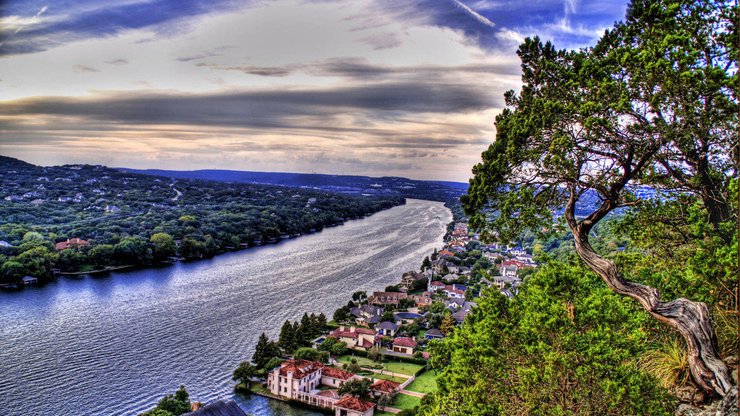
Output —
(371, 359)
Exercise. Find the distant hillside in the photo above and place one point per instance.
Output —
(125, 218)
(356, 185)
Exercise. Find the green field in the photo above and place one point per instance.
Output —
(426, 382)
(392, 366)
(403, 368)
(403, 402)
(385, 377)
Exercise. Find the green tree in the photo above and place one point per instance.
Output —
(287, 340)
(264, 351)
(595, 124)
(565, 345)
(164, 246)
(426, 264)
(359, 388)
(243, 374)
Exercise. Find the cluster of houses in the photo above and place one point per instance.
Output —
(317, 384)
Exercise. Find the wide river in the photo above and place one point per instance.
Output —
(115, 344)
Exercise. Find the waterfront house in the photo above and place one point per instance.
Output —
(293, 377)
(300, 380)
(387, 328)
(71, 243)
(352, 406)
(29, 280)
(386, 298)
(409, 279)
(404, 345)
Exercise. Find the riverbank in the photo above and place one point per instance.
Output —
(118, 342)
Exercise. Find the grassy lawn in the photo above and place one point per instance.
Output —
(392, 366)
(362, 361)
(379, 413)
(385, 377)
(403, 402)
(426, 382)
(402, 368)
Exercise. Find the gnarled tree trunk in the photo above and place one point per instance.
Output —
(690, 319)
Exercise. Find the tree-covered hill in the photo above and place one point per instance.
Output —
(127, 218)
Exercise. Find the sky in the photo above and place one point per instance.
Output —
(363, 87)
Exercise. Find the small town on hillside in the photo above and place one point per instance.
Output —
(371, 358)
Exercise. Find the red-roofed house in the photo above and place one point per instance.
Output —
(352, 406)
(334, 377)
(71, 243)
(383, 387)
(354, 337)
(436, 286)
(293, 377)
(404, 345)
(446, 253)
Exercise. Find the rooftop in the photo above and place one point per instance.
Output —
(353, 403)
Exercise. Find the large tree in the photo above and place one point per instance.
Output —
(653, 103)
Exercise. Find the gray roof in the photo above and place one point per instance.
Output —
(434, 332)
(219, 408)
(388, 325)
(460, 315)
(373, 319)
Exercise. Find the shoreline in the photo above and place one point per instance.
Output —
(274, 241)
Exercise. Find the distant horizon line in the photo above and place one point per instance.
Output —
(236, 170)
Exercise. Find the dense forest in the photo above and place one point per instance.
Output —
(131, 219)
(634, 310)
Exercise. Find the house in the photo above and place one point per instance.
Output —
(29, 280)
(460, 315)
(404, 345)
(507, 281)
(454, 291)
(354, 337)
(352, 406)
(446, 254)
(300, 380)
(409, 279)
(450, 277)
(438, 266)
(423, 299)
(112, 209)
(367, 314)
(436, 286)
(383, 387)
(387, 328)
(218, 408)
(293, 377)
(434, 333)
(72, 243)
(386, 298)
(4, 243)
(334, 377)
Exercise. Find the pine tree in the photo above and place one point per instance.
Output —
(286, 341)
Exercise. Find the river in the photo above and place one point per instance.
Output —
(115, 344)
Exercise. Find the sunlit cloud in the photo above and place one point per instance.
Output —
(372, 87)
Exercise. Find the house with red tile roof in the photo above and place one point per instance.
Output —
(383, 387)
(355, 337)
(71, 243)
(446, 253)
(404, 345)
(352, 406)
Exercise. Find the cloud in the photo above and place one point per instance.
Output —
(85, 68)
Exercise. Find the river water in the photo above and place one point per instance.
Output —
(115, 344)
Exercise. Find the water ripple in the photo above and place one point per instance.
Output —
(113, 345)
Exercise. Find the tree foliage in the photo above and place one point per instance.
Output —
(652, 104)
